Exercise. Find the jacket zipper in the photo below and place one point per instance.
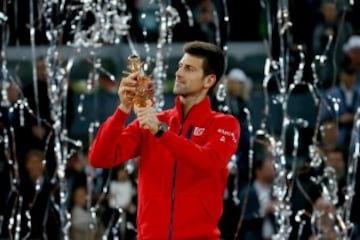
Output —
(173, 182)
(171, 224)
(172, 202)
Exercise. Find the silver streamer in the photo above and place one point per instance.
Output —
(18, 218)
(189, 13)
(5, 80)
(217, 27)
(16, 20)
(148, 59)
(33, 58)
(299, 218)
(7, 138)
(351, 175)
(111, 24)
(339, 221)
(57, 84)
(169, 17)
(283, 207)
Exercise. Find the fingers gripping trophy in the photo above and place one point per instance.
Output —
(142, 85)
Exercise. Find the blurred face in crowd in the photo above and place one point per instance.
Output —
(80, 197)
(189, 77)
(41, 70)
(206, 9)
(329, 133)
(34, 165)
(77, 162)
(354, 55)
(122, 175)
(330, 12)
(348, 79)
(13, 93)
(266, 172)
(335, 159)
(235, 88)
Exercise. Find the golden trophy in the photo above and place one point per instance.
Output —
(143, 86)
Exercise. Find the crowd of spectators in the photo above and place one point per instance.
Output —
(249, 206)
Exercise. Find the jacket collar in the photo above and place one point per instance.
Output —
(198, 111)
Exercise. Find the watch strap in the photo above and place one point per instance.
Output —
(162, 129)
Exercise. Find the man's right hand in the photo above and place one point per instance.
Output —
(126, 92)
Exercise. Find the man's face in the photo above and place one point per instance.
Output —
(189, 78)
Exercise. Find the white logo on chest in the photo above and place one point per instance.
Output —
(198, 131)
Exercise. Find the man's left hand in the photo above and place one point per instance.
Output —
(147, 117)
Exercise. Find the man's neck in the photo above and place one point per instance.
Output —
(189, 101)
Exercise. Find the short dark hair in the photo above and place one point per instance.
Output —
(214, 58)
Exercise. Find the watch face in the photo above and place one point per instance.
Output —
(163, 127)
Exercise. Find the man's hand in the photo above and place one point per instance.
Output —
(127, 91)
(147, 117)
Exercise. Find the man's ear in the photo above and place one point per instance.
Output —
(210, 81)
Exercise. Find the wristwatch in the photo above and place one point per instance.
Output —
(163, 127)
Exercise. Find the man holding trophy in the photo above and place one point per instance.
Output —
(183, 151)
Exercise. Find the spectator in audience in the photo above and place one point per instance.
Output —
(121, 190)
(331, 26)
(83, 226)
(204, 23)
(39, 130)
(238, 90)
(75, 172)
(204, 16)
(324, 223)
(36, 191)
(329, 135)
(336, 159)
(355, 208)
(122, 195)
(258, 221)
(239, 87)
(342, 103)
(238, 93)
(7, 156)
(352, 51)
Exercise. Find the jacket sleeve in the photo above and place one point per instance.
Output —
(222, 141)
(114, 143)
